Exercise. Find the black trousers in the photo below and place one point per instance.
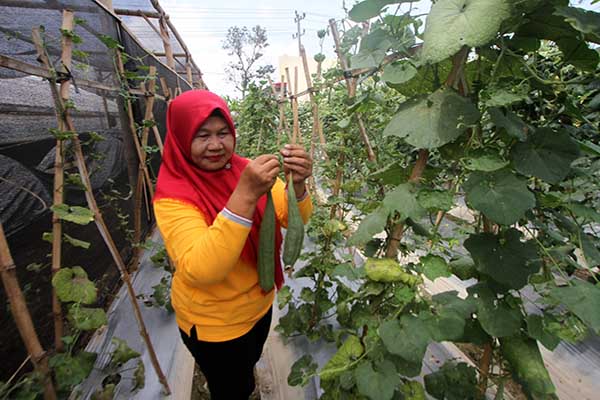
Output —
(229, 366)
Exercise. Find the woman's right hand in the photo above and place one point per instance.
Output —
(259, 176)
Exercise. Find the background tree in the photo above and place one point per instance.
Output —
(246, 46)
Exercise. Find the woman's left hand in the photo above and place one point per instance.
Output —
(297, 161)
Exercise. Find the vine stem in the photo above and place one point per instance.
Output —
(484, 368)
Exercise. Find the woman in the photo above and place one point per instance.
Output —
(209, 204)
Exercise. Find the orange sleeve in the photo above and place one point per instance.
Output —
(202, 254)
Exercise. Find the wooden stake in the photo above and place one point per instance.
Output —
(294, 101)
(136, 140)
(351, 86)
(66, 58)
(22, 317)
(101, 225)
(164, 34)
(317, 129)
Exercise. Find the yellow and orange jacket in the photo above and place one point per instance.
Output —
(212, 288)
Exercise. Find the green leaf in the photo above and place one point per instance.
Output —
(583, 299)
(392, 174)
(398, 72)
(584, 21)
(432, 122)
(76, 242)
(454, 381)
(72, 284)
(348, 271)
(590, 251)
(449, 302)
(302, 370)
(122, 352)
(76, 214)
(139, 376)
(71, 370)
(504, 257)
(485, 162)
(463, 268)
(434, 267)
(511, 122)
(501, 97)
(577, 52)
(407, 338)
(342, 360)
(371, 225)
(546, 155)
(379, 383)
(62, 135)
(106, 393)
(536, 329)
(452, 24)
(284, 296)
(500, 195)
(527, 366)
(403, 199)
(587, 213)
(47, 237)
(412, 390)
(367, 59)
(435, 200)
(368, 9)
(87, 319)
(496, 317)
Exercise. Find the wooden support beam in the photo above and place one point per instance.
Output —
(136, 13)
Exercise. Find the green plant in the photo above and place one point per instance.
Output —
(498, 113)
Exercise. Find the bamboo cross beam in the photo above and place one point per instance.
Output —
(351, 86)
(22, 317)
(99, 219)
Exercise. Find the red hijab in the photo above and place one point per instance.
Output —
(179, 178)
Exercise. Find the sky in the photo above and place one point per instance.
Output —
(204, 24)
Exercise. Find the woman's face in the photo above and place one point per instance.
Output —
(212, 147)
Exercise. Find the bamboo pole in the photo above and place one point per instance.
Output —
(103, 229)
(279, 104)
(136, 140)
(136, 13)
(351, 86)
(294, 101)
(171, 26)
(22, 317)
(317, 128)
(140, 193)
(164, 34)
(66, 58)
